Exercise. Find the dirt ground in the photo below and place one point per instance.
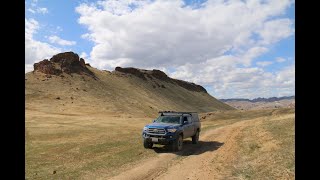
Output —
(233, 145)
(213, 158)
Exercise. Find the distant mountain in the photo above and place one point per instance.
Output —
(271, 99)
(261, 103)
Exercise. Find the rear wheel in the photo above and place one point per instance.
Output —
(177, 144)
(195, 138)
(146, 144)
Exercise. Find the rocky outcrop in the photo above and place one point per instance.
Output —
(82, 63)
(190, 86)
(160, 75)
(70, 57)
(133, 71)
(67, 62)
(157, 74)
(46, 67)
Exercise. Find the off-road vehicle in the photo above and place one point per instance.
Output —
(170, 128)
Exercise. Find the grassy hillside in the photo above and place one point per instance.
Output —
(113, 92)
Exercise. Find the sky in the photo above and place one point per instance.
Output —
(233, 48)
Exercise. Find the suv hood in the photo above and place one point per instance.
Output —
(162, 125)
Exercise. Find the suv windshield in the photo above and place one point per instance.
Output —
(168, 119)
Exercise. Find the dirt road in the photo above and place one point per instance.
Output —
(206, 160)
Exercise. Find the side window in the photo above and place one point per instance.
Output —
(185, 118)
(189, 120)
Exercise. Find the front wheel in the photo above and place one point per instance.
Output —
(195, 138)
(146, 144)
(177, 144)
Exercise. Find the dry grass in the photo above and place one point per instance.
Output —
(73, 146)
(70, 146)
(264, 148)
(267, 149)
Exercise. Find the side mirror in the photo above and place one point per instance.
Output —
(185, 122)
(154, 121)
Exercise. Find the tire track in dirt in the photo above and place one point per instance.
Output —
(206, 160)
(209, 165)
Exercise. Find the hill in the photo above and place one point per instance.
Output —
(65, 84)
(271, 99)
(261, 103)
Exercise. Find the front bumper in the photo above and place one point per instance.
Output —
(159, 139)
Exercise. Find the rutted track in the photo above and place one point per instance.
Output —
(205, 160)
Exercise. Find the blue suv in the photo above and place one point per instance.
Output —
(170, 128)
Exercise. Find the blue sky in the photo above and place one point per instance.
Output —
(61, 14)
(235, 49)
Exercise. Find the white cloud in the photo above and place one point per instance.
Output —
(39, 10)
(42, 10)
(87, 37)
(264, 63)
(35, 50)
(83, 55)
(213, 45)
(280, 59)
(31, 10)
(59, 41)
(59, 28)
(252, 53)
(286, 77)
(35, 9)
(275, 30)
(31, 26)
(111, 64)
(121, 7)
(226, 80)
(167, 33)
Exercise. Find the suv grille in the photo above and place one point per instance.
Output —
(156, 131)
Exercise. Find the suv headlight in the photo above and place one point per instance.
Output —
(172, 130)
(145, 129)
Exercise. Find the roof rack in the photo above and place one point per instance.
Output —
(176, 112)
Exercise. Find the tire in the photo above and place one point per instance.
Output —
(177, 144)
(195, 138)
(146, 144)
